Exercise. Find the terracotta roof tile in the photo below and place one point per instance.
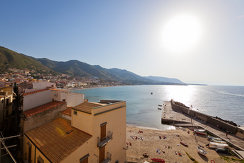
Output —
(86, 107)
(67, 111)
(43, 108)
(57, 139)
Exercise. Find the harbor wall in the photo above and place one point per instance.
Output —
(207, 119)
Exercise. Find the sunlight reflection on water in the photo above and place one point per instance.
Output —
(142, 106)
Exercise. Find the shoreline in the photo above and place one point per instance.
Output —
(73, 89)
(150, 128)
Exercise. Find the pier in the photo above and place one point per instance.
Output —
(183, 118)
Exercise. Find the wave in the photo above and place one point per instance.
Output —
(231, 94)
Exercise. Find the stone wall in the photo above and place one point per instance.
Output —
(204, 118)
(240, 133)
(43, 117)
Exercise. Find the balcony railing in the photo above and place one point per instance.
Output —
(103, 142)
(108, 159)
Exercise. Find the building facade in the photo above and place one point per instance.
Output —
(66, 128)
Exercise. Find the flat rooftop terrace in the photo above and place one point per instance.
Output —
(91, 107)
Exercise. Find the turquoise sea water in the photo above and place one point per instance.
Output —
(226, 102)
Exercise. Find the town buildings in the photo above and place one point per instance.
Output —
(6, 99)
(60, 126)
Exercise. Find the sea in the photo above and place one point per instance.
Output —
(226, 102)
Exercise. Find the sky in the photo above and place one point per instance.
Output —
(195, 41)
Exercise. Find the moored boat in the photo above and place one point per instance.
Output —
(211, 138)
(201, 151)
(184, 144)
(158, 160)
(215, 145)
(200, 132)
(218, 141)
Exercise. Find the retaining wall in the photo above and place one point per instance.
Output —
(205, 118)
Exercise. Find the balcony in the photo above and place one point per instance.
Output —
(108, 159)
(103, 142)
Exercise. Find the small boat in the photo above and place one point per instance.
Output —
(151, 93)
(159, 105)
(159, 108)
(222, 150)
(210, 138)
(158, 160)
(215, 145)
(219, 141)
(200, 132)
(184, 144)
(201, 151)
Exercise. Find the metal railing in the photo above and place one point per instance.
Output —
(103, 142)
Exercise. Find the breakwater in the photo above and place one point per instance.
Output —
(223, 125)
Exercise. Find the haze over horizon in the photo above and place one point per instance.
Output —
(194, 41)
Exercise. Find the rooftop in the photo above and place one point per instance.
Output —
(67, 111)
(42, 108)
(57, 139)
(87, 106)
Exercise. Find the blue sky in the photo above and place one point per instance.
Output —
(127, 35)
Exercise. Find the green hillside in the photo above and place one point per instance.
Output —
(81, 69)
(12, 59)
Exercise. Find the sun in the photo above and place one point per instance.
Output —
(181, 33)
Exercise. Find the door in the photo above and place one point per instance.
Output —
(101, 154)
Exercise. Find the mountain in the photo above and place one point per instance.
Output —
(81, 69)
(11, 59)
(164, 79)
(75, 68)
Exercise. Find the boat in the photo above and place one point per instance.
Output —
(151, 93)
(159, 105)
(222, 150)
(158, 160)
(218, 141)
(201, 151)
(215, 145)
(211, 138)
(200, 132)
(184, 144)
(159, 108)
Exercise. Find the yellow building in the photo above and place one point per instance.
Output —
(96, 133)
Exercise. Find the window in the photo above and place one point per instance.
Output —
(75, 112)
(84, 159)
(40, 160)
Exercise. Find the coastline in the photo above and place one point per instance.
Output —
(74, 89)
(149, 128)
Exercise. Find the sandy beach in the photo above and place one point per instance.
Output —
(166, 145)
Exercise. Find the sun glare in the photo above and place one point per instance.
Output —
(181, 33)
